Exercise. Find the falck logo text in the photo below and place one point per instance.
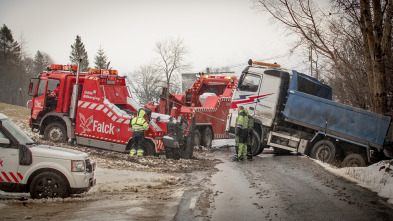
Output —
(97, 126)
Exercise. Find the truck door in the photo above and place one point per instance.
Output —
(266, 107)
(38, 102)
(9, 161)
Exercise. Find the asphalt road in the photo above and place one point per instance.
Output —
(278, 188)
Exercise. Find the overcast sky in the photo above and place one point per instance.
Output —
(217, 33)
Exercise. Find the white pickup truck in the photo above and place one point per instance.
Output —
(44, 171)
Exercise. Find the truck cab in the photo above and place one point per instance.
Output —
(92, 109)
(28, 167)
(208, 100)
(294, 112)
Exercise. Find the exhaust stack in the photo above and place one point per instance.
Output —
(75, 92)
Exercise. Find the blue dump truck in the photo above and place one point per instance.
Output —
(293, 112)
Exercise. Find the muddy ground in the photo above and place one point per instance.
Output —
(136, 188)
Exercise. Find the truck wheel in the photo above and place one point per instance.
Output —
(324, 150)
(48, 185)
(55, 132)
(207, 137)
(149, 148)
(255, 143)
(197, 138)
(354, 160)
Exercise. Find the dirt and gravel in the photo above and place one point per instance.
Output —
(208, 187)
(136, 188)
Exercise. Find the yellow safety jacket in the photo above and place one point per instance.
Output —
(139, 123)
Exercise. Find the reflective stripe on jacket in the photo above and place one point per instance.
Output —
(242, 120)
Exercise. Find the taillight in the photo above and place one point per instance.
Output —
(188, 116)
(158, 135)
(120, 80)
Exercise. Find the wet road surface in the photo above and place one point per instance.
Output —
(279, 188)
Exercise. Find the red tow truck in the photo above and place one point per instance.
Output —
(208, 99)
(91, 109)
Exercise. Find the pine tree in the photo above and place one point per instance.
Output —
(78, 51)
(101, 60)
(9, 48)
(41, 61)
(38, 62)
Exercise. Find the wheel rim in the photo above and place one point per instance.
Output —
(353, 163)
(47, 187)
(56, 134)
(323, 153)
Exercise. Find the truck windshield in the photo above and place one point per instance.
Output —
(17, 132)
(249, 82)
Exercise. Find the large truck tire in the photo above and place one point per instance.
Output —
(149, 148)
(207, 137)
(354, 160)
(48, 184)
(197, 138)
(55, 132)
(255, 143)
(324, 150)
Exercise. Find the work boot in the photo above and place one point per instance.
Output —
(235, 158)
(132, 152)
(139, 153)
(241, 158)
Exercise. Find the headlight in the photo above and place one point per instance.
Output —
(77, 166)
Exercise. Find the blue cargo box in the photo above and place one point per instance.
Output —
(337, 119)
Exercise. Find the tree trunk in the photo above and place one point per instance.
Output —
(374, 55)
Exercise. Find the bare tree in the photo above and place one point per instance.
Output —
(374, 19)
(171, 61)
(356, 23)
(146, 84)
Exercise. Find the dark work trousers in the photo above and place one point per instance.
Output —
(137, 140)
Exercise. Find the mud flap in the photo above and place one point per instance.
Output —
(180, 146)
(188, 147)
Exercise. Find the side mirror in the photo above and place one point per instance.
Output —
(31, 86)
(33, 82)
(4, 141)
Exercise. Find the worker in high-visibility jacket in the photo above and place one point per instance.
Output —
(241, 130)
(139, 126)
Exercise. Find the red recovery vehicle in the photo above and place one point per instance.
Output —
(92, 109)
(208, 99)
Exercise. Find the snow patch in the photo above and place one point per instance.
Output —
(374, 177)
